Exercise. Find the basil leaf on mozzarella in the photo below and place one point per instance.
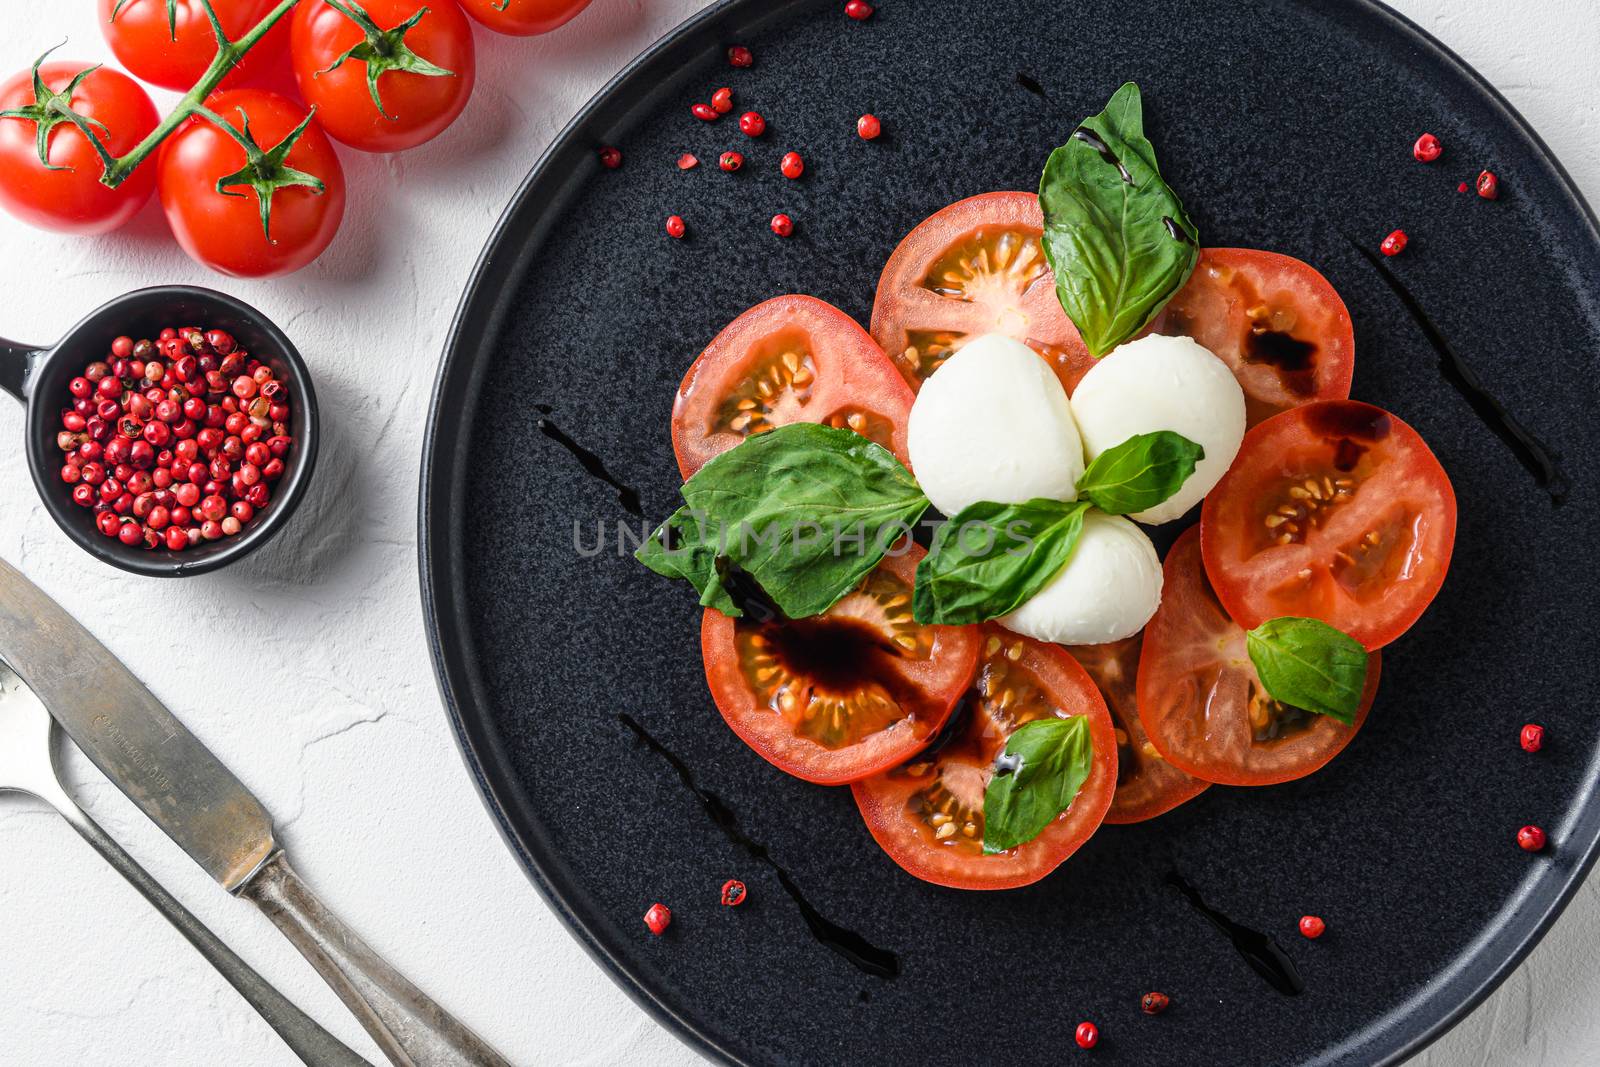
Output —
(991, 557)
(1115, 233)
(1309, 664)
(1140, 473)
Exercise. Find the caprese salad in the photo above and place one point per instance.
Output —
(1051, 373)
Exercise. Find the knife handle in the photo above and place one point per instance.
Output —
(410, 1028)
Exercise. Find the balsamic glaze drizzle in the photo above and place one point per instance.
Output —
(1176, 232)
(1092, 139)
(591, 464)
(867, 957)
(1538, 458)
(746, 592)
(1030, 83)
(1259, 951)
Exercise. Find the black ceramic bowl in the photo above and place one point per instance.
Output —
(38, 377)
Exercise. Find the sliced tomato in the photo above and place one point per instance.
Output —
(788, 359)
(1147, 785)
(846, 694)
(1334, 511)
(1201, 701)
(1275, 320)
(928, 814)
(973, 268)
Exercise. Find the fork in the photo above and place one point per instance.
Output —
(29, 744)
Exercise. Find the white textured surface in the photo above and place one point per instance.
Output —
(305, 667)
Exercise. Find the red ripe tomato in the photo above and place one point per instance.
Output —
(225, 232)
(1273, 319)
(424, 71)
(928, 814)
(1334, 511)
(974, 267)
(1202, 702)
(848, 693)
(174, 54)
(788, 359)
(1147, 785)
(523, 18)
(72, 200)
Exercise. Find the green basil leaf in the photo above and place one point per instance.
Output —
(805, 510)
(1311, 665)
(991, 557)
(1140, 473)
(1115, 233)
(1036, 778)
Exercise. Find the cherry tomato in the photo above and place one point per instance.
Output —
(523, 18)
(1147, 785)
(974, 267)
(789, 359)
(1201, 700)
(225, 232)
(175, 54)
(845, 694)
(72, 200)
(1272, 318)
(1335, 511)
(424, 73)
(928, 814)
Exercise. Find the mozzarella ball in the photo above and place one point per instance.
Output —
(1164, 383)
(1108, 590)
(993, 423)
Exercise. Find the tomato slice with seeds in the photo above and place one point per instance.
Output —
(1275, 320)
(788, 359)
(973, 268)
(845, 694)
(1147, 785)
(928, 814)
(1334, 511)
(1201, 700)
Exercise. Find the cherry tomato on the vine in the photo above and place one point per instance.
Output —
(170, 42)
(68, 196)
(384, 75)
(523, 18)
(229, 232)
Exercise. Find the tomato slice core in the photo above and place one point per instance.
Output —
(974, 267)
(928, 814)
(788, 359)
(1201, 701)
(1147, 785)
(841, 696)
(1335, 511)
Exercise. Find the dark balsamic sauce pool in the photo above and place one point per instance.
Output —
(1258, 950)
(861, 953)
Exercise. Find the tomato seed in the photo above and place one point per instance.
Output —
(676, 227)
(1488, 185)
(733, 893)
(740, 56)
(1154, 1003)
(1531, 838)
(792, 166)
(610, 158)
(1087, 1035)
(1394, 244)
(868, 127)
(1312, 926)
(782, 225)
(1427, 149)
(730, 161)
(722, 100)
(1532, 737)
(860, 10)
(751, 124)
(687, 161)
(704, 112)
(658, 918)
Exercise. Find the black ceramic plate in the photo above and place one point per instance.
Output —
(1285, 124)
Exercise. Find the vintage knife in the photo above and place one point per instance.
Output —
(174, 779)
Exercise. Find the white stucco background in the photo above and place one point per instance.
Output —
(305, 668)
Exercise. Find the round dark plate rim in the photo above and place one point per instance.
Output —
(439, 559)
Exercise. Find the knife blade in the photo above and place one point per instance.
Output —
(131, 736)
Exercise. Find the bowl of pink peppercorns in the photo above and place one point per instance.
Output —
(172, 431)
